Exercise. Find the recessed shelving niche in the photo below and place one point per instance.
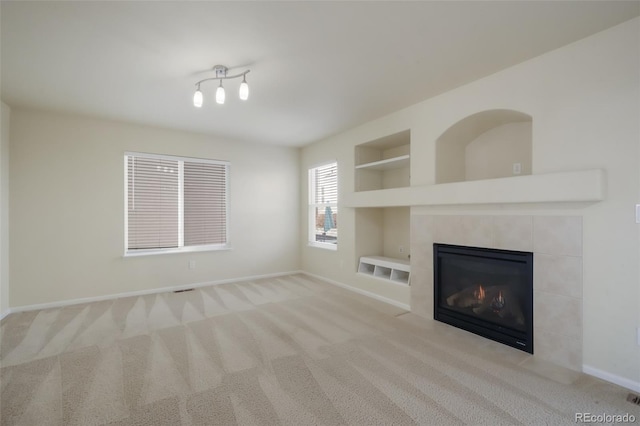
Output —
(383, 163)
(487, 145)
(382, 243)
(382, 234)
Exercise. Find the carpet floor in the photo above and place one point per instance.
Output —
(291, 350)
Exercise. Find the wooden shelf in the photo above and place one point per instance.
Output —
(388, 164)
(397, 271)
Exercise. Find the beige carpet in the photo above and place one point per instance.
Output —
(291, 350)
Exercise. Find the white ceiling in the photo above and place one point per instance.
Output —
(317, 68)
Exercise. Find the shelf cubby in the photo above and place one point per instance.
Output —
(393, 270)
(383, 163)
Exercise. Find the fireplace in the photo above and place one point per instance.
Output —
(485, 291)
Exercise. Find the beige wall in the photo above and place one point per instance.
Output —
(451, 165)
(4, 210)
(396, 224)
(67, 209)
(493, 153)
(583, 100)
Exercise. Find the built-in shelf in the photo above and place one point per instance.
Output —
(383, 163)
(562, 187)
(388, 164)
(397, 271)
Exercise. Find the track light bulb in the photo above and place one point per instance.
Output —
(244, 89)
(220, 94)
(198, 98)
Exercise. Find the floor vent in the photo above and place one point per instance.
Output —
(182, 291)
(634, 399)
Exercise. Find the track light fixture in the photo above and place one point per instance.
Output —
(221, 74)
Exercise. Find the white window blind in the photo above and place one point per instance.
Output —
(175, 203)
(153, 203)
(205, 204)
(323, 205)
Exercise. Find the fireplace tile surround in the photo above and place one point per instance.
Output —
(556, 242)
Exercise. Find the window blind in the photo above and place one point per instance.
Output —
(175, 202)
(326, 184)
(153, 203)
(205, 203)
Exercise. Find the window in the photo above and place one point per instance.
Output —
(323, 206)
(175, 204)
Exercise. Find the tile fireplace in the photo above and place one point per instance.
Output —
(556, 244)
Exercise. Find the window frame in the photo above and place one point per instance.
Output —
(312, 205)
(181, 247)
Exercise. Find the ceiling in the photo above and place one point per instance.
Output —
(317, 68)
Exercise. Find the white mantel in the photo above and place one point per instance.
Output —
(573, 186)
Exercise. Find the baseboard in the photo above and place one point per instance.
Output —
(360, 291)
(70, 302)
(4, 314)
(620, 381)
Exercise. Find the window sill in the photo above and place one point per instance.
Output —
(325, 246)
(154, 252)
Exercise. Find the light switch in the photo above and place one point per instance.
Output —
(637, 213)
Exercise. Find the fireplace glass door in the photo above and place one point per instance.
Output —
(485, 291)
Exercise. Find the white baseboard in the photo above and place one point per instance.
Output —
(64, 303)
(4, 314)
(620, 381)
(360, 291)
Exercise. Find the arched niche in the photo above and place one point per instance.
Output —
(486, 145)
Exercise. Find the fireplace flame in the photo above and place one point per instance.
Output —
(479, 293)
(497, 303)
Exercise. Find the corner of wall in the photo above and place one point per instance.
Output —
(4, 209)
